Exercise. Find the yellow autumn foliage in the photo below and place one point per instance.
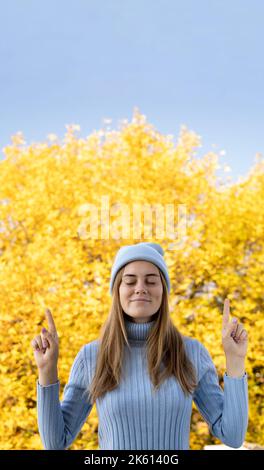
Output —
(47, 258)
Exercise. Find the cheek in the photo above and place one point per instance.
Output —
(157, 295)
(124, 294)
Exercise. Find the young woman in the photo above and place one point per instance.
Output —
(142, 373)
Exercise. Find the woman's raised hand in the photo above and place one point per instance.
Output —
(234, 335)
(46, 346)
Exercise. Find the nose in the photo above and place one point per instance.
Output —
(140, 289)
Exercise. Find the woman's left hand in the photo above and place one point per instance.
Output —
(234, 336)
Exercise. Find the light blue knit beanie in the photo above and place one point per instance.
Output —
(151, 252)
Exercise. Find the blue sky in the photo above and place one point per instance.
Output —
(197, 63)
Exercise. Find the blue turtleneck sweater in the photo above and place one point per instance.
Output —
(131, 416)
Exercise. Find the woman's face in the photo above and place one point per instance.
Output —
(140, 280)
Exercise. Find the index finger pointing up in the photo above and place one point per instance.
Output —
(226, 312)
(51, 323)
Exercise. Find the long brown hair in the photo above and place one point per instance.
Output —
(164, 344)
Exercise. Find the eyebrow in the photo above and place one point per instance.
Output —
(150, 274)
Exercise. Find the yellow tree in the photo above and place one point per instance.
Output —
(48, 258)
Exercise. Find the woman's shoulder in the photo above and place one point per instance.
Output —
(191, 343)
(88, 354)
(199, 355)
(194, 348)
(91, 347)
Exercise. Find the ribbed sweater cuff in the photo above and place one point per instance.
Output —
(56, 385)
(228, 377)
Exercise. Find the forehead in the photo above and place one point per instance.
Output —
(140, 267)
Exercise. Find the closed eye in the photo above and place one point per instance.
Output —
(130, 283)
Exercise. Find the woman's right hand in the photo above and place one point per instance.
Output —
(46, 346)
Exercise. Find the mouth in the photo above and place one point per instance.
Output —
(140, 300)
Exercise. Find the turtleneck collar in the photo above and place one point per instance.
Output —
(138, 332)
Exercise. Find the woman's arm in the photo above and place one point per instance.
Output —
(225, 411)
(60, 422)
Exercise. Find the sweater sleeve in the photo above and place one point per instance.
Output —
(60, 422)
(225, 411)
